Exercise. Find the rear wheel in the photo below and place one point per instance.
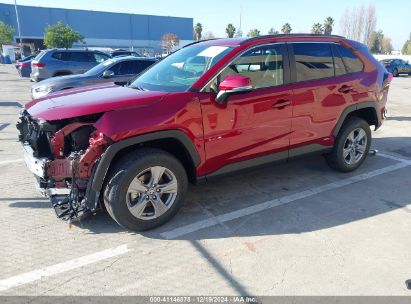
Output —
(145, 190)
(351, 145)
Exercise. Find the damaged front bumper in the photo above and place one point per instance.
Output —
(62, 171)
(38, 166)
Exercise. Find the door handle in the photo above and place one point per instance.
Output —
(345, 89)
(281, 103)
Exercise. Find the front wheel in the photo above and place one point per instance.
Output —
(145, 189)
(351, 145)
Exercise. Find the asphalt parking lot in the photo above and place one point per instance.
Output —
(292, 229)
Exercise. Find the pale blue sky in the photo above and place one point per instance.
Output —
(394, 17)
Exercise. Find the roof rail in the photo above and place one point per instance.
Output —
(291, 34)
(198, 41)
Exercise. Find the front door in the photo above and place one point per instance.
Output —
(252, 127)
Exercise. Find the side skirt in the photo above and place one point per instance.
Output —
(255, 163)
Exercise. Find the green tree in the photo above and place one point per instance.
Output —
(253, 33)
(286, 29)
(376, 42)
(230, 30)
(272, 31)
(328, 26)
(61, 36)
(317, 28)
(406, 49)
(198, 30)
(6, 33)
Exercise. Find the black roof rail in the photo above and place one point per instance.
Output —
(291, 34)
(199, 41)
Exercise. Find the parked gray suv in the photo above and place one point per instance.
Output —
(59, 62)
(119, 70)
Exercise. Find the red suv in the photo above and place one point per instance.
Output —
(211, 108)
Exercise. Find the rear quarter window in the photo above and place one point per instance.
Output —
(313, 61)
(352, 63)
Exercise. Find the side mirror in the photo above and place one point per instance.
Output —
(233, 84)
(108, 74)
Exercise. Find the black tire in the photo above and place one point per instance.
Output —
(121, 176)
(336, 158)
(395, 73)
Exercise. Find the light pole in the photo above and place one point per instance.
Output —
(18, 26)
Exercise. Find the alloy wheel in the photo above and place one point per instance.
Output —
(152, 193)
(355, 146)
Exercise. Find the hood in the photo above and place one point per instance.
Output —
(58, 80)
(89, 100)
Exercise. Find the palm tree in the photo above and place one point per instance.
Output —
(198, 29)
(272, 31)
(230, 30)
(328, 26)
(317, 28)
(286, 29)
(253, 33)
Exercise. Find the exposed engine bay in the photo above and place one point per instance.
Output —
(62, 155)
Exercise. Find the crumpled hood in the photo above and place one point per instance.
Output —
(89, 100)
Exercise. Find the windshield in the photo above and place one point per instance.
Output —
(179, 71)
(99, 69)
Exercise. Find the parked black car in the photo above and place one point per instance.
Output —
(119, 70)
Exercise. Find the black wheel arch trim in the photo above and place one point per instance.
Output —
(356, 107)
(112, 150)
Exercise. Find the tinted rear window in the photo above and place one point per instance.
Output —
(313, 61)
(352, 63)
(141, 65)
(64, 56)
(81, 57)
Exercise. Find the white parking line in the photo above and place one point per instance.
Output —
(177, 232)
(39, 274)
(12, 161)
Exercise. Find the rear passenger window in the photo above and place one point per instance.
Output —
(81, 57)
(140, 66)
(313, 61)
(63, 56)
(99, 57)
(352, 63)
(338, 62)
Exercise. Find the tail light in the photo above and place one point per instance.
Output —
(23, 64)
(39, 65)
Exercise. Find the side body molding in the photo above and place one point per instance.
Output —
(112, 150)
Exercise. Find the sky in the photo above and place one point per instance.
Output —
(393, 17)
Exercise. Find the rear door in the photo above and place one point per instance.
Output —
(324, 84)
(81, 61)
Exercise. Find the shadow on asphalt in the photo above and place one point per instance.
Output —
(296, 217)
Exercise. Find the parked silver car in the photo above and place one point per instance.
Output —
(119, 70)
(59, 62)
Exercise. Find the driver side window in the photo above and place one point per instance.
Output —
(263, 65)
